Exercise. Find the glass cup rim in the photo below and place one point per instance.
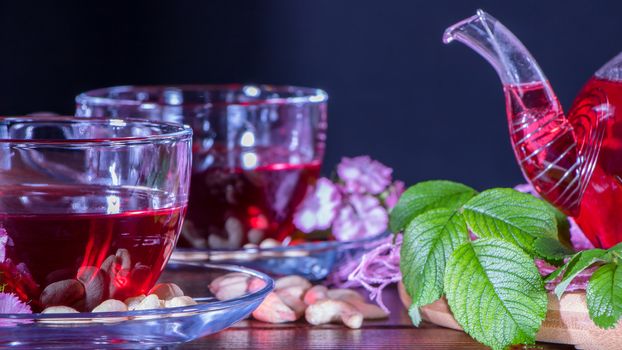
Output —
(97, 97)
(177, 131)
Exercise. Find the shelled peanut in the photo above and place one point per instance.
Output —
(163, 295)
(294, 297)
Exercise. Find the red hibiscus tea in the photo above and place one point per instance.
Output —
(597, 214)
(529, 113)
(78, 246)
(256, 149)
(230, 207)
(89, 209)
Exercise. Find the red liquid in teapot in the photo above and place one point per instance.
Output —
(52, 234)
(233, 204)
(543, 137)
(600, 215)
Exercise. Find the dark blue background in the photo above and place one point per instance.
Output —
(397, 93)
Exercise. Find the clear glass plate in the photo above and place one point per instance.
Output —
(139, 329)
(314, 260)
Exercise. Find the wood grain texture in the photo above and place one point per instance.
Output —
(567, 322)
(396, 332)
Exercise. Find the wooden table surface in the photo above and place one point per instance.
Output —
(396, 332)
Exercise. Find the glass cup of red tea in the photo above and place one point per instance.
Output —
(256, 150)
(90, 209)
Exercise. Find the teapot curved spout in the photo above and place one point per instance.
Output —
(488, 37)
(543, 140)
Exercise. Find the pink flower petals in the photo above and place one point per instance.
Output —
(379, 268)
(10, 304)
(362, 217)
(319, 208)
(354, 206)
(394, 194)
(374, 271)
(578, 283)
(527, 188)
(364, 175)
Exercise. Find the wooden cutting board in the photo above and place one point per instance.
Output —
(567, 322)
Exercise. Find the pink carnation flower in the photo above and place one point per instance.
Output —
(319, 207)
(10, 304)
(527, 188)
(364, 175)
(363, 216)
(395, 191)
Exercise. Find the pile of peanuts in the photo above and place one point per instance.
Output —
(163, 295)
(295, 297)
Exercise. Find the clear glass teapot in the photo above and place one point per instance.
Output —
(573, 160)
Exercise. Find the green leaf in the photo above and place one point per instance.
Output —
(616, 250)
(415, 315)
(551, 250)
(495, 292)
(563, 226)
(429, 240)
(425, 196)
(553, 275)
(604, 295)
(517, 217)
(579, 262)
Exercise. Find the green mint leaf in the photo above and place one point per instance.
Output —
(563, 225)
(616, 250)
(553, 275)
(415, 315)
(425, 196)
(604, 295)
(579, 262)
(429, 240)
(517, 217)
(551, 249)
(495, 292)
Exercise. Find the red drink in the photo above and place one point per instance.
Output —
(534, 123)
(255, 150)
(67, 233)
(600, 213)
(230, 206)
(573, 161)
(547, 149)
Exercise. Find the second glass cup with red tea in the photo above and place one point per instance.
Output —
(256, 151)
(89, 209)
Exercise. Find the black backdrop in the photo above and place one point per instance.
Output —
(397, 93)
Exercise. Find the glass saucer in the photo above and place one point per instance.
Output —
(314, 260)
(139, 329)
